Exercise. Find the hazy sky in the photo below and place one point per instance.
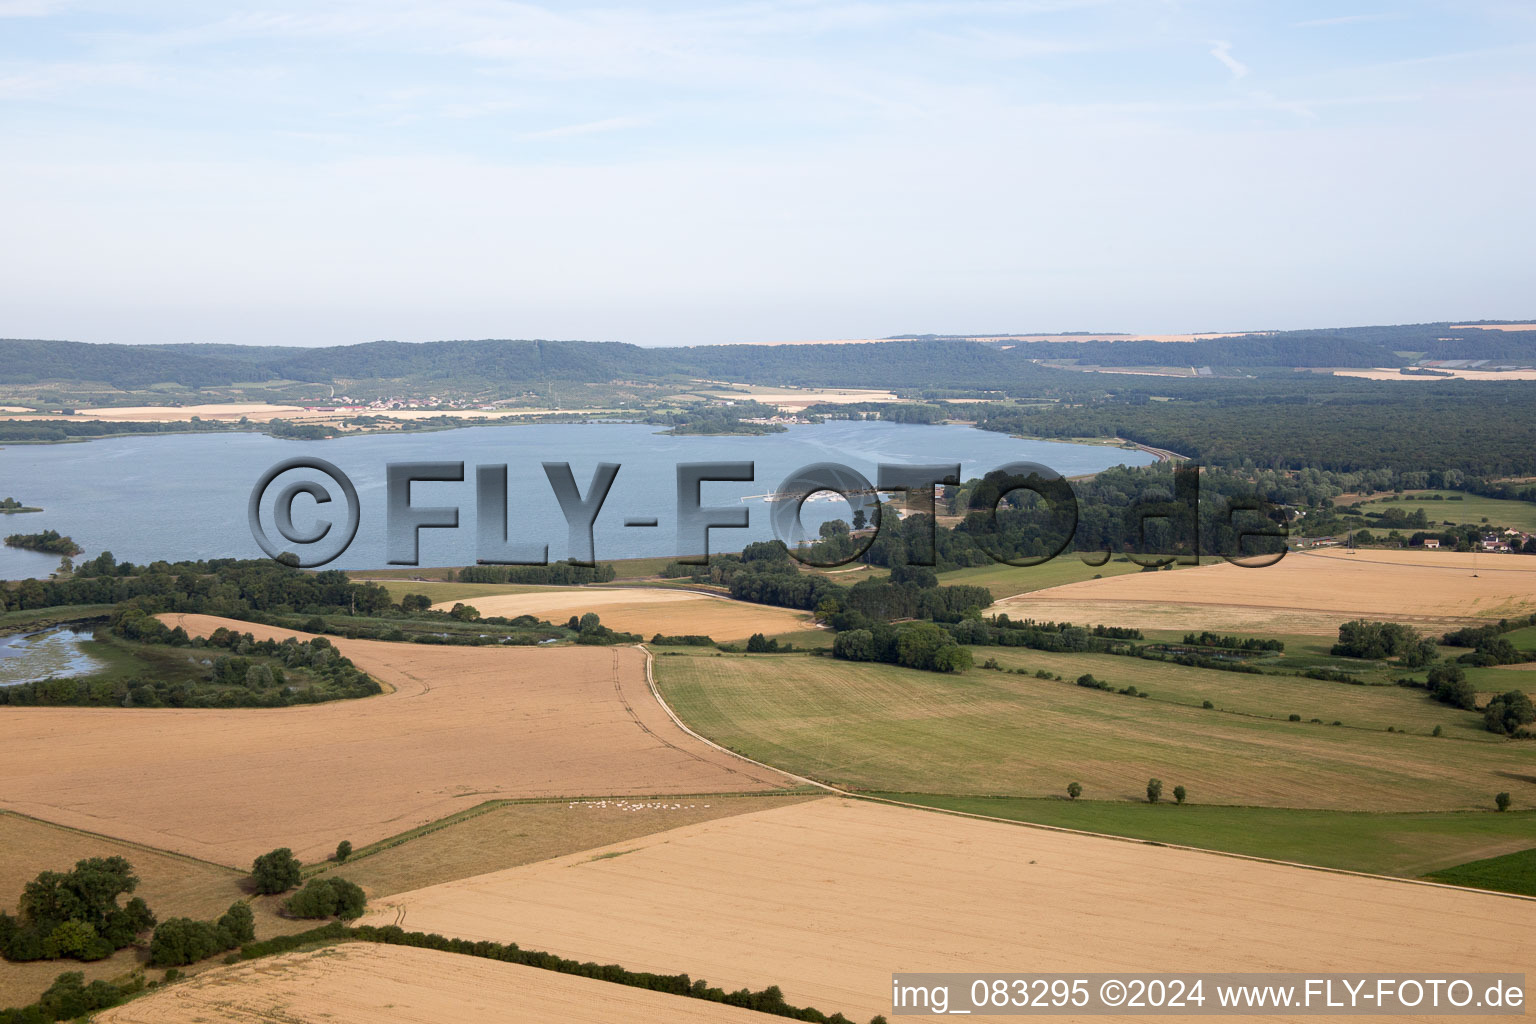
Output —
(335, 171)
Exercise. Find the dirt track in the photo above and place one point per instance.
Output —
(465, 725)
(828, 898)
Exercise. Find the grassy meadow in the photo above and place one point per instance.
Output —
(1471, 508)
(884, 728)
(1406, 844)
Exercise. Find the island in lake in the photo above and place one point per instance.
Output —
(49, 542)
(11, 505)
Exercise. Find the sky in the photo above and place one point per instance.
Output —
(312, 172)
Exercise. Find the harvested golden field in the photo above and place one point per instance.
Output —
(647, 611)
(361, 983)
(826, 899)
(172, 886)
(464, 725)
(508, 835)
(1306, 592)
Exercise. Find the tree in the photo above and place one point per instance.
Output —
(1074, 790)
(1501, 801)
(854, 645)
(860, 520)
(917, 643)
(412, 603)
(833, 528)
(1154, 790)
(75, 913)
(76, 940)
(327, 897)
(182, 940)
(1448, 684)
(343, 850)
(1506, 713)
(758, 644)
(1179, 793)
(238, 924)
(275, 872)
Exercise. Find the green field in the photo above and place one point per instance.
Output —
(885, 728)
(1373, 707)
(1518, 515)
(466, 592)
(1523, 639)
(41, 618)
(1408, 845)
(1008, 580)
(1513, 872)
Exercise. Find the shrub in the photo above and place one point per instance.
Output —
(1207, 705)
(1295, 718)
(343, 850)
(275, 872)
(1179, 793)
(1074, 790)
(1437, 731)
(1154, 790)
(1501, 801)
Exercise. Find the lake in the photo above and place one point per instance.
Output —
(184, 496)
(51, 652)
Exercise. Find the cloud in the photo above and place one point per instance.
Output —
(1346, 19)
(29, 8)
(1222, 51)
(607, 124)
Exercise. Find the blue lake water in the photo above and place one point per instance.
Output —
(28, 656)
(185, 495)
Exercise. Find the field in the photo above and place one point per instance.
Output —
(827, 898)
(463, 726)
(503, 836)
(1010, 580)
(171, 885)
(1472, 508)
(648, 611)
(1405, 844)
(795, 399)
(890, 729)
(1512, 872)
(1370, 707)
(362, 983)
(448, 594)
(1388, 373)
(1304, 593)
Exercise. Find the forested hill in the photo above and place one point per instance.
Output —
(1333, 423)
(918, 362)
(894, 364)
